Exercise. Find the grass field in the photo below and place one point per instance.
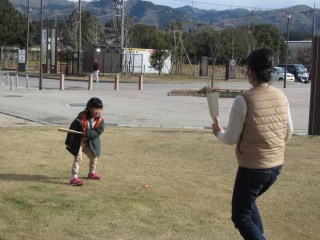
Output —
(190, 174)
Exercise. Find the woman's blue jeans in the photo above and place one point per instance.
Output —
(249, 185)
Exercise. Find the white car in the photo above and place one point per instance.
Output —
(278, 74)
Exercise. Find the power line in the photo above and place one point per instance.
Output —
(220, 5)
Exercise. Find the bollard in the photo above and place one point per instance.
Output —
(11, 85)
(116, 82)
(7, 78)
(17, 78)
(90, 81)
(27, 81)
(141, 82)
(61, 82)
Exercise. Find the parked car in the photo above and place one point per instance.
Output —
(309, 69)
(298, 70)
(278, 74)
(310, 72)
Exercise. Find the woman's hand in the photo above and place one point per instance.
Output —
(216, 127)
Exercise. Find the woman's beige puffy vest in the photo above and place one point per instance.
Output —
(262, 141)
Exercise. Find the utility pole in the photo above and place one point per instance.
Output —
(313, 19)
(314, 113)
(122, 25)
(27, 43)
(41, 43)
(79, 38)
(175, 49)
(119, 12)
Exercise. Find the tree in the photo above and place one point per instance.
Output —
(160, 48)
(304, 56)
(91, 30)
(13, 26)
(144, 36)
(112, 31)
(297, 36)
(268, 36)
(158, 58)
(70, 32)
(175, 42)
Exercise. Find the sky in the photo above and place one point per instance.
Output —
(232, 4)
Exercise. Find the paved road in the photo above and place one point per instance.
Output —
(151, 107)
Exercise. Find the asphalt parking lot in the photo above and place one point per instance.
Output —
(128, 106)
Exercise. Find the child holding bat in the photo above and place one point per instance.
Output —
(91, 125)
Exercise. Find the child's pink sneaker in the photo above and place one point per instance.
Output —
(76, 182)
(94, 176)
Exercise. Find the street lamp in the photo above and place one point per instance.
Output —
(288, 16)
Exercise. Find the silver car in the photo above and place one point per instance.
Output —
(299, 71)
(278, 74)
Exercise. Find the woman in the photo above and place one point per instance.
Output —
(260, 124)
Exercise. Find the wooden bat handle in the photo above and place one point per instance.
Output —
(68, 130)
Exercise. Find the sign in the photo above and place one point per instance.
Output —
(22, 56)
(44, 46)
(53, 47)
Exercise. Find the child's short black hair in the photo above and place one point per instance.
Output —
(94, 103)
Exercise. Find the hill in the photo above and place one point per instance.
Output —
(147, 13)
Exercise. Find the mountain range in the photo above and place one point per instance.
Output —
(147, 13)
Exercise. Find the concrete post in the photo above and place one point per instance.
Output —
(27, 81)
(141, 82)
(7, 77)
(11, 84)
(116, 82)
(61, 82)
(90, 82)
(17, 80)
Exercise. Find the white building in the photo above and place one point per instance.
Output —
(139, 61)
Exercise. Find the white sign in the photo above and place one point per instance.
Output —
(53, 47)
(22, 56)
(44, 46)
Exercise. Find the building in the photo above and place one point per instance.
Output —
(137, 60)
(295, 47)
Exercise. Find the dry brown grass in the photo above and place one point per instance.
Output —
(190, 174)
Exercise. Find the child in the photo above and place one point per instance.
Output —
(91, 124)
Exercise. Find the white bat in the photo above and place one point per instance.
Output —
(213, 103)
(68, 130)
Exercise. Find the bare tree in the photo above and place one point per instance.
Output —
(304, 55)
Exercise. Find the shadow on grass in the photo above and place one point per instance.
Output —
(31, 178)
